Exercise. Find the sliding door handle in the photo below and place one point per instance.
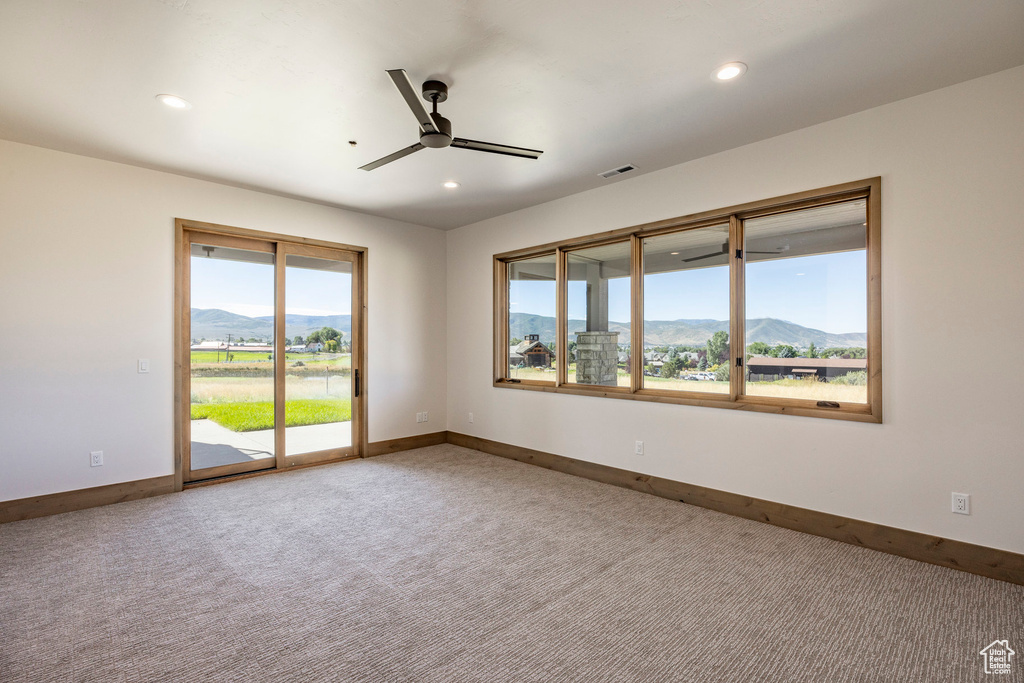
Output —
(355, 389)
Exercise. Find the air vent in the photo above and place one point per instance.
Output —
(617, 171)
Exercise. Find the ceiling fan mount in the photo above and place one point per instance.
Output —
(435, 130)
(435, 91)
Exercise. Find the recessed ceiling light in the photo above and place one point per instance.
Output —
(728, 72)
(451, 184)
(673, 253)
(174, 101)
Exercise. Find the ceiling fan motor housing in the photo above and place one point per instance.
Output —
(440, 139)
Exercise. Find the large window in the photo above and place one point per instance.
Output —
(770, 306)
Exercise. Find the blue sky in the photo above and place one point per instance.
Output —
(248, 288)
(826, 292)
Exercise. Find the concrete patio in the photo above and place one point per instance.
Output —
(214, 445)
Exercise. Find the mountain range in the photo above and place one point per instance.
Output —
(213, 323)
(695, 332)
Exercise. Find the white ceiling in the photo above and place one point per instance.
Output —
(279, 87)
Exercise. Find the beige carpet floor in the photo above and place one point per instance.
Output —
(445, 564)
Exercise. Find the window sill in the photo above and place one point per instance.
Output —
(856, 412)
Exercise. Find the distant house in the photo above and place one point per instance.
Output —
(530, 353)
(655, 359)
(252, 348)
(210, 346)
(306, 348)
(764, 368)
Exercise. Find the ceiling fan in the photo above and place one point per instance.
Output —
(436, 130)
(725, 250)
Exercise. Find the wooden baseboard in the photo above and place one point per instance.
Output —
(991, 562)
(406, 443)
(56, 503)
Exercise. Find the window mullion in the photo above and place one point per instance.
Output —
(737, 316)
(636, 326)
(561, 320)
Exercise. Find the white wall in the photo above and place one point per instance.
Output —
(87, 274)
(952, 168)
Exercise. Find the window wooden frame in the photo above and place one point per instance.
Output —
(869, 190)
(186, 231)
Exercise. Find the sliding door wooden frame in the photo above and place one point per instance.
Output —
(188, 232)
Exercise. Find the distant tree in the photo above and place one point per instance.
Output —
(784, 351)
(702, 364)
(718, 347)
(758, 348)
(298, 340)
(331, 345)
(322, 335)
(571, 348)
(673, 353)
(722, 373)
(514, 341)
(811, 351)
(287, 341)
(670, 368)
(649, 369)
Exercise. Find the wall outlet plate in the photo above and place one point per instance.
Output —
(95, 458)
(962, 503)
(639, 447)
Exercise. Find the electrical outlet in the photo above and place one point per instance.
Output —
(96, 459)
(962, 503)
(471, 418)
(639, 447)
(143, 366)
(426, 416)
(419, 417)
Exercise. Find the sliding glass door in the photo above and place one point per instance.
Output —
(272, 337)
(318, 374)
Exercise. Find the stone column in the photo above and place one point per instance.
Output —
(597, 358)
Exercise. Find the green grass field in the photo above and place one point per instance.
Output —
(252, 416)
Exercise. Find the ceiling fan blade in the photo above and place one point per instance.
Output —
(392, 157)
(701, 258)
(412, 98)
(493, 148)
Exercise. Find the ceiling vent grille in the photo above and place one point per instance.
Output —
(617, 171)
